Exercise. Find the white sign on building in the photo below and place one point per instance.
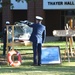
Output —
(19, 5)
(0, 4)
(58, 4)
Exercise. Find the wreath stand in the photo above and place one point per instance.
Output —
(69, 41)
(10, 56)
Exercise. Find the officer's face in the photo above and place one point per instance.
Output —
(38, 21)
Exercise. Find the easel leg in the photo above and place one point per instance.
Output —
(67, 49)
(71, 44)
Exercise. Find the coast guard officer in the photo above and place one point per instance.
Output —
(37, 38)
(5, 38)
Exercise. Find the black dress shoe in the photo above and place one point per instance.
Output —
(39, 64)
(34, 65)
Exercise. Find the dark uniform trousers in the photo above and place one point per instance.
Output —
(37, 53)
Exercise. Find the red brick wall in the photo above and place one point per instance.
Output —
(35, 8)
(6, 13)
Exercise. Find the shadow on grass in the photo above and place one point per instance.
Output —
(43, 68)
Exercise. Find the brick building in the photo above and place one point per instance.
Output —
(56, 13)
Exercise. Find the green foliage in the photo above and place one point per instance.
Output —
(24, 0)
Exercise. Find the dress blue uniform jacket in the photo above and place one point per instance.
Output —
(38, 34)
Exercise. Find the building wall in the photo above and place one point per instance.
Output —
(53, 19)
(6, 13)
(12, 15)
(35, 8)
(19, 15)
(0, 21)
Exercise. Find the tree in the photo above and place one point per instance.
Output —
(8, 2)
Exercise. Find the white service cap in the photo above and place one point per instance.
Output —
(39, 18)
(7, 22)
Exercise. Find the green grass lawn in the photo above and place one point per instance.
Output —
(65, 68)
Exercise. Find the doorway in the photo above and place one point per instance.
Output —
(52, 21)
(67, 19)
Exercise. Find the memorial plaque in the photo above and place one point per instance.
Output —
(50, 55)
